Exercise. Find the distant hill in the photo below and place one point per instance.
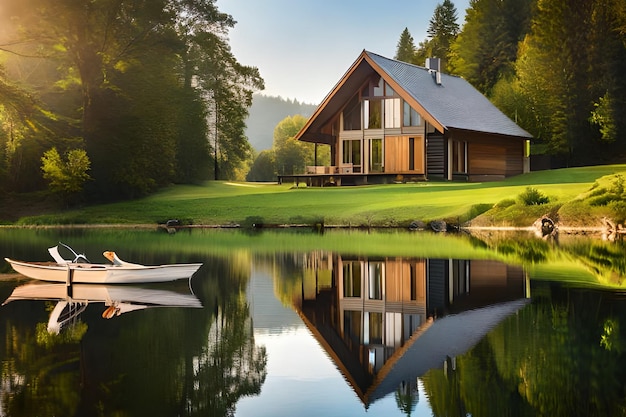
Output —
(266, 112)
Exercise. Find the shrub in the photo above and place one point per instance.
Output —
(66, 175)
(596, 191)
(618, 185)
(502, 204)
(602, 200)
(478, 209)
(619, 210)
(533, 197)
(603, 196)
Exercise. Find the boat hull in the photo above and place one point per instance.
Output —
(103, 274)
(107, 294)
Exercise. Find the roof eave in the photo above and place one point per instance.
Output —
(524, 136)
(329, 97)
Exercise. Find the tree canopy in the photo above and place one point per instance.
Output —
(152, 89)
(553, 66)
(442, 31)
(486, 48)
(570, 79)
(288, 156)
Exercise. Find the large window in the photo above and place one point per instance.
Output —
(375, 284)
(352, 325)
(372, 113)
(375, 328)
(392, 113)
(351, 152)
(380, 107)
(352, 279)
(410, 116)
(376, 155)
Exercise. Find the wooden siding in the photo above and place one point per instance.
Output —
(496, 158)
(492, 156)
(492, 282)
(398, 281)
(486, 159)
(397, 155)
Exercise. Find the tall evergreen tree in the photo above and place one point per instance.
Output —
(443, 30)
(225, 83)
(405, 50)
(607, 69)
(486, 48)
(568, 75)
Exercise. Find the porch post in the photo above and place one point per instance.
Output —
(315, 160)
(449, 142)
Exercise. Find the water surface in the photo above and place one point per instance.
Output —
(310, 325)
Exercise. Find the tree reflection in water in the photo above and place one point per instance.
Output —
(168, 361)
(230, 366)
(552, 358)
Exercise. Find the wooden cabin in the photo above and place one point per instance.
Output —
(390, 121)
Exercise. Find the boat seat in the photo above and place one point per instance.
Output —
(54, 252)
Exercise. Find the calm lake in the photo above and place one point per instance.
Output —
(340, 323)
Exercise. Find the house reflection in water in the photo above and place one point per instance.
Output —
(385, 322)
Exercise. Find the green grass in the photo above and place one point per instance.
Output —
(218, 203)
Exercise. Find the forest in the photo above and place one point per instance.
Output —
(107, 100)
(554, 66)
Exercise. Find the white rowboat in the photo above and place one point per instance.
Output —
(118, 272)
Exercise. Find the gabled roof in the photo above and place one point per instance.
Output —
(453, 104)
(427, 348)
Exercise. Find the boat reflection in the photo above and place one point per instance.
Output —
(72, 300)
(385, 322)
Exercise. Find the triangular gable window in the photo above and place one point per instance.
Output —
(380, 105)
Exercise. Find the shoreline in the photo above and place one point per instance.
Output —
(558, 229)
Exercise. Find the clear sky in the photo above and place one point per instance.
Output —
(303, 48)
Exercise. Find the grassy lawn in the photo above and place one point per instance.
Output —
(219, 203)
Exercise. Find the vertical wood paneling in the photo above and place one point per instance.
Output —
(493, 155)
(397, 155)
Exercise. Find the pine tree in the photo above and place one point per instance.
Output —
(443, 30)
(608, 64)
(486, 49)
(406, 47)
(572, 79)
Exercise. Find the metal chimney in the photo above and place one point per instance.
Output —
(433, 65)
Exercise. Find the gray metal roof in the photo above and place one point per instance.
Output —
(454, 103)
(447, 337)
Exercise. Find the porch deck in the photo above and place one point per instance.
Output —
(330, 176)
